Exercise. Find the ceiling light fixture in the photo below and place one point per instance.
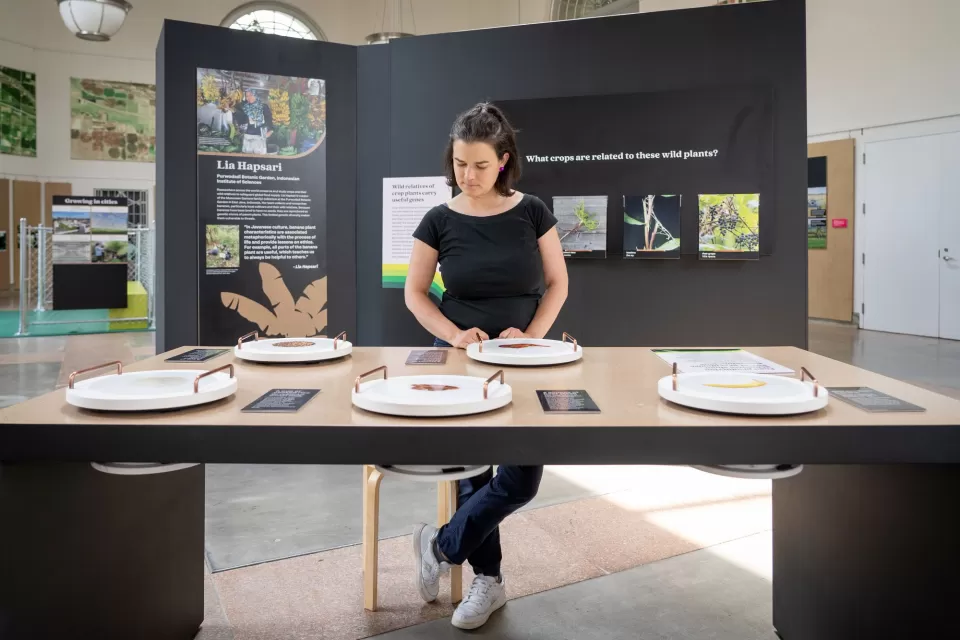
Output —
(383, 36)
(94, 20)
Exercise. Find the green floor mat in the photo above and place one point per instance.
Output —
(68, 323)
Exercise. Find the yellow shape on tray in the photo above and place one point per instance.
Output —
(753, 384)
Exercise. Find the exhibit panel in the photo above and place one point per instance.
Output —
(704, 115)
(247, 187)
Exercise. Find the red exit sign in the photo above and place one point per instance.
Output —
(839, 223)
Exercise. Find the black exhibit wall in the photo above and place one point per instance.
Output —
(729, 78)
(184, 48)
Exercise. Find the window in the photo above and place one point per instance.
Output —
(273, 17)
(138, 201)
(572, 9)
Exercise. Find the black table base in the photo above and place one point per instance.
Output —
(867, 552)
(84, 554)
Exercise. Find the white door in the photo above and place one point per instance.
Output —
(949, 236)
(901, 272)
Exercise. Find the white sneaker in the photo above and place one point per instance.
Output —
(486, 595)
(429, 567)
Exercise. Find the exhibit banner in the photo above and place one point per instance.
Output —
(817, 203)
(405, 202)
(261, 205)
(623, 171)
(89, 230)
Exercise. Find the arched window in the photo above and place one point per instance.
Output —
(573, 9)
(273, 17)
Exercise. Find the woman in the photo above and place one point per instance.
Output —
(256, 122)
(495, 247)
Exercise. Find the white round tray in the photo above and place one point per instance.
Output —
(752, 471)
(151, 390)
(742, 393)
(292, 349)
(526, 352)
(441, 395)
(435, 473)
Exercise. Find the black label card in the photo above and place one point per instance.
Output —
(576, 401)
(871, 400)
(197, 355)
(431, 356)
(281, 401)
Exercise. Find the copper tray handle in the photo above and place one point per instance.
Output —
(252, 334)
(196, 382)
(342, 334)
(674, 376)
(487, 382)
(479, 344)
(804, 374)
(73, 376)
(356, 383)
(568, 337)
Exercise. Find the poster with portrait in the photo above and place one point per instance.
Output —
(261, 191)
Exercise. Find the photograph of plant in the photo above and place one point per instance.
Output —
(258, 114)
(582, 225)
(651, 226)
(109, 248)
(729, 226)
(18, 112)
(816, 218)
(222, 246)
(113, 120)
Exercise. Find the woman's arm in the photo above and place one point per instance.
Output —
(423, 265)
(555, 278)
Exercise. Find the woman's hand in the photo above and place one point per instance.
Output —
(513, 332)
(467, 337)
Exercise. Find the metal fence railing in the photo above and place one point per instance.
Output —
(36, 275)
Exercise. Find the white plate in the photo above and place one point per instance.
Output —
(752, 471)
(546, 352)
(398, 397)
(435, 473)
(752, 394)
(150, 390)
(286, 350)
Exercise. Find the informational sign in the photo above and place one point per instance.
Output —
(281, 401)
(89, 230)
(197, 355)
(817, 203)
(872, 400)
(574, 401)
(429, 356)
(719, 360)
(261, 190)
(839, 223)
(405, 202)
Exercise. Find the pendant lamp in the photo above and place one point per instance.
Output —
(94, 20)
(386, 35)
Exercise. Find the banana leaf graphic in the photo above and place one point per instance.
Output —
(285, 318)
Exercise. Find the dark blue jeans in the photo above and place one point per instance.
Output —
(473, 535)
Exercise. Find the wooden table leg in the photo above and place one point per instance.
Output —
(371, 530)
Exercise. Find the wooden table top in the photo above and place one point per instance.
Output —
(622, 381)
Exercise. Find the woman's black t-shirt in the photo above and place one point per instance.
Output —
(490, 265)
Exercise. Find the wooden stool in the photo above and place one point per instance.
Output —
(447, 491)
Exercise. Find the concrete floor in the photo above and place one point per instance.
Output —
(720, 593)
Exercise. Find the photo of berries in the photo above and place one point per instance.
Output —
(729, 226)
